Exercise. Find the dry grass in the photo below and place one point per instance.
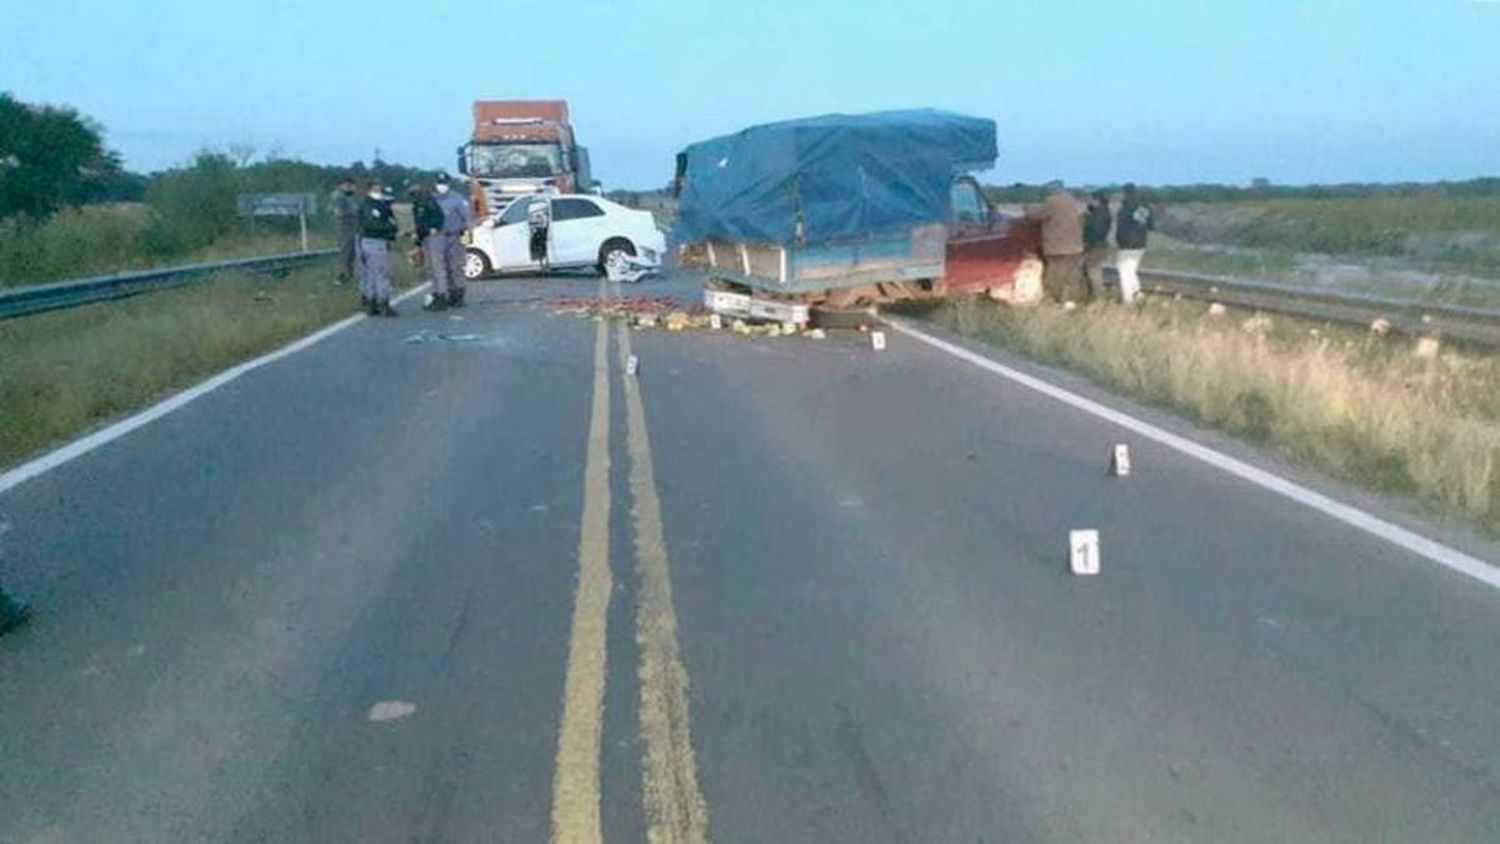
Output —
(69, 370)
(1357, 407)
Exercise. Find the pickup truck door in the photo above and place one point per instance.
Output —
(577, 231)
(984, 248)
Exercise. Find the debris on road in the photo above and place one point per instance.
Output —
(671, 315)
(621, 267)
(391, 710)
(1083, 551)
(429, 336)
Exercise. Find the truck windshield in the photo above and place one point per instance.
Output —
(515, 161)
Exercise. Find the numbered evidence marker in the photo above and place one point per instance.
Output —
(1119, 464)
(877, 340)
(632, 364)
(1083, 554)
(715, 321)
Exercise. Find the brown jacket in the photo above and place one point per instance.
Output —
(1062, 230)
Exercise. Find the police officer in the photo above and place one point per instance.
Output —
(427, 220)
(377, 228)
(345, 207)
(447, 253)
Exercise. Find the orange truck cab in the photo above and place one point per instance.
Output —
(521, 147)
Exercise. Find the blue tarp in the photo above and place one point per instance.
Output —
(845, 176)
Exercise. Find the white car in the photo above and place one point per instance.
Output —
(586, 231)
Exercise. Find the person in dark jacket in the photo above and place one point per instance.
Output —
(345, 207)
(427, 220)
(377, 228)
(1135, 221)
(1097, 221)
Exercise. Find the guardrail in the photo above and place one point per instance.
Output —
(35, 298)
(1476, 325)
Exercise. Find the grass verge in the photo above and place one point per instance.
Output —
(1357, 407)
(67, 371)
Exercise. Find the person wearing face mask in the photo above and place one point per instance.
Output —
(427, 223)
(377, 228)
(447, 251)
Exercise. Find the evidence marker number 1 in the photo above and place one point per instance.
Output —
(1083, 551)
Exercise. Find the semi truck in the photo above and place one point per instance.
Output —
(521, 147)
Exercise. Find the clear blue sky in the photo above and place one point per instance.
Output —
(1160, 92)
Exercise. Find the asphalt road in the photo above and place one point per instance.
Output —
(774, 590)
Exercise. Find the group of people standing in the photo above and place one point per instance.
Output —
(1075, 249)
(367, 228)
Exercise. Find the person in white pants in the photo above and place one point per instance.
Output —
(1128, 263)
(1132, 225)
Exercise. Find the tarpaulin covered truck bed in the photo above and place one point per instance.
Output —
(830, 201)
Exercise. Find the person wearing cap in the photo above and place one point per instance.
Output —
(1062, 243)
(345, 208)
(427, 221)
(446, 255)
(1136, 220)
(1097, 221)
(377, 228)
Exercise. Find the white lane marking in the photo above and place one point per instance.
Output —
(83, 445)
(1437, 552)
(390, 710)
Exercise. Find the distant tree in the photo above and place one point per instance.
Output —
(50, 158)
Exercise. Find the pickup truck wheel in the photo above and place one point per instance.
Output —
(614, 246)
(476, 265)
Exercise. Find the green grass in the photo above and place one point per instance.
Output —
(1357, 407)
(97, 239)
(1443, 232)
(1285, 268)
(67, 371)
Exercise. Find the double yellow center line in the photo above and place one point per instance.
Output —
(675, 811)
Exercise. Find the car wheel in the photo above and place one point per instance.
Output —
(476, 265)
(615, 246)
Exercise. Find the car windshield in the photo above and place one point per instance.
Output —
(515, 161)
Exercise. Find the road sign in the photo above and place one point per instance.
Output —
(299, 205)
(277, 204)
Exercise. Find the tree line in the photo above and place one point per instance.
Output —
(52, 158)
